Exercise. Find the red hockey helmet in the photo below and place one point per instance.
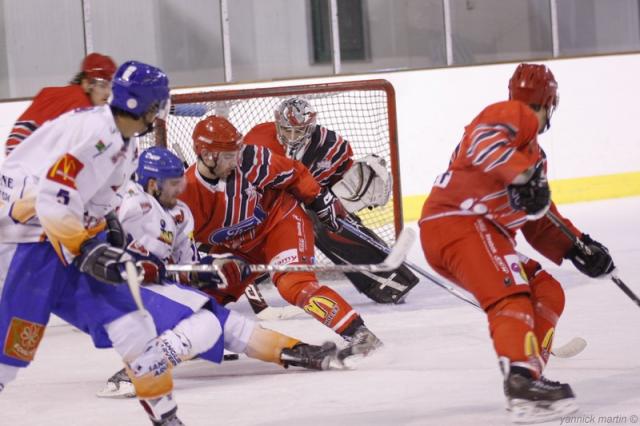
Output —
(100, 66)
(534, 84)
(215, 134)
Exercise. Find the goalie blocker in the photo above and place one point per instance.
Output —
(367, 184)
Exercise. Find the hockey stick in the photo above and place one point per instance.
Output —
(568, 350)
(586, 250)
(263, 311)
(393, 260)
(383, 248)
(133, 281)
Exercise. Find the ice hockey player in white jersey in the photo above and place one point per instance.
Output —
(159, 229)
(55, 190)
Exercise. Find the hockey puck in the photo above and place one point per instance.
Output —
(230, 357)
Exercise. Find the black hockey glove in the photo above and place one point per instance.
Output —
(328, 208)
(534, 196)
(232, 271)
(596, 264)
(102, 261)
(115, 234)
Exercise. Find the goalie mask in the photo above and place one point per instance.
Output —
(295, 121)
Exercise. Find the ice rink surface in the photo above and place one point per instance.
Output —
(437, 368)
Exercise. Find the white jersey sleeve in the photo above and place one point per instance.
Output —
(68, 175)
(166, 233)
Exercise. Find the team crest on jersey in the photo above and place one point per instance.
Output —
(23, 338)
(322, 307)
(65, 170)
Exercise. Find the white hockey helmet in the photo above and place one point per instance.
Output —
(295, 121)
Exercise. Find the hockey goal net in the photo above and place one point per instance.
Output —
(363, 112)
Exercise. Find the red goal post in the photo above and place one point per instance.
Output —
(363, 112)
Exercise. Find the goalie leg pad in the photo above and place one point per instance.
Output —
(344, 247)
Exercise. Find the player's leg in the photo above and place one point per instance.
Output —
(290, 242)
(547, 296)
(109, 314)
(477, 256)
(29, 288)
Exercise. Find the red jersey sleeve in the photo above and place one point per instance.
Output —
(49, 103)
(269, 170)
(547, 238)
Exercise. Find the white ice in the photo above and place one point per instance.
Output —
(438, 366)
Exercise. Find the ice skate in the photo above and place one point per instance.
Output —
(535, 401)
(118, 386)
(361, 344)
(309, 356)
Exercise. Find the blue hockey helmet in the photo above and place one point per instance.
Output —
(158, 163)
(137, 87)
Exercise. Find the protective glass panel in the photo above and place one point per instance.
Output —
(485, 31)
(34, 55)
(182, 38)
(586, 27)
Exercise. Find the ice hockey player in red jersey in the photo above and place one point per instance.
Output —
(360, 184)
(90, 87)
(246, 201)
(495, 185)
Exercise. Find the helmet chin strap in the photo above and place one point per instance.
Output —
(210, 168)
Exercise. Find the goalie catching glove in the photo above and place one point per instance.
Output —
(594, 265)
(366, 184)
(328, 209)
(231, 272)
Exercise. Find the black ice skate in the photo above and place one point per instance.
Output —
(534, 401)
(118, 386)
(360, 344)
(309, 356)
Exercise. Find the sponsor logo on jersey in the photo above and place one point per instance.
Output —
(322, 307)
(165, 236)
(101, 147)
(23, 338)
(286, 257)
(6, 181)
(65, 170)
(145, 206)
(516, 269)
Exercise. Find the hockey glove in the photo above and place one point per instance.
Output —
(533, 196)
(594, 265)
(231, 272)
(115, 234)
(151, 265)
(328, 208)
(102, 261)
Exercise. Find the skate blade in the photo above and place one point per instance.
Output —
(525, 412)
(123, 390)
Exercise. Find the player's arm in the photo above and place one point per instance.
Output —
(73, 179)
